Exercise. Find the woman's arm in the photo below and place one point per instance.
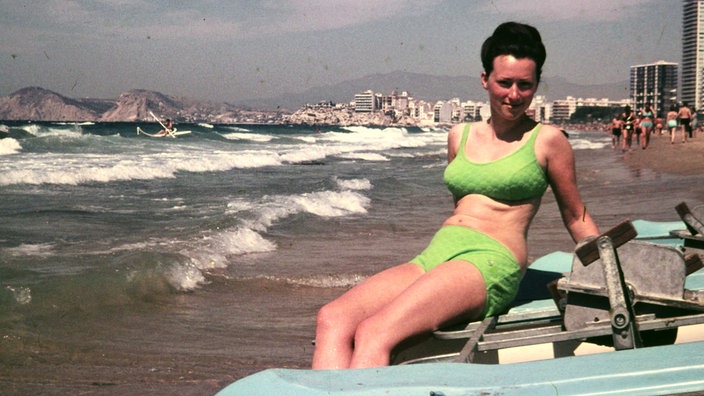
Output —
(562, 177)
(453, 141)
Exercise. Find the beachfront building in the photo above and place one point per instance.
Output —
(562, 109)
(395, 102)
(693, 53)
(471, 111)
(541, 109)
(654, 83)
(443, 112)
(365, 102)
(588, 108)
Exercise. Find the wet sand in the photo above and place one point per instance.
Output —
(676, 158)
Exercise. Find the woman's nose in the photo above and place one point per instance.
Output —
(513, 91)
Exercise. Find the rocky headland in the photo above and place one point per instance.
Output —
(38, 104)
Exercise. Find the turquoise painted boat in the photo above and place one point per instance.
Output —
(664, 370)
(535, 319)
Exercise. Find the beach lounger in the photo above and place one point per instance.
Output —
(620, 292)
(693, 219)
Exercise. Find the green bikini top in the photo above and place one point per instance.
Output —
(515, 177)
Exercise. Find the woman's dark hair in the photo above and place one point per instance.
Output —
(517, 39)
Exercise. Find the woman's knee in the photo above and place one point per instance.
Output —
(376, 334)
(333, 318)
(328, 317)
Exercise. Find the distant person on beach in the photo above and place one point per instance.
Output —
(169, 128)
(629, 126)
(616, 124)
(647, 122)
(694, 127)
(498, 172)
(672, 123)
(685, 117)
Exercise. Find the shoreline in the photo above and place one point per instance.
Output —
(686, 159)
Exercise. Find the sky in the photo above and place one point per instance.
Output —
(235, 50)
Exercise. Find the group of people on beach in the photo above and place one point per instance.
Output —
(643, 124)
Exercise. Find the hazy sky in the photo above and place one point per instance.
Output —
(232, 50)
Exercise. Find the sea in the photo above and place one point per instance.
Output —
(139, 265)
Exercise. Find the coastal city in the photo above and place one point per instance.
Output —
(654, 83)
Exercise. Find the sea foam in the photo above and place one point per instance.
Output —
(9, 146)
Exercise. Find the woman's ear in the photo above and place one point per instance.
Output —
(485, 80)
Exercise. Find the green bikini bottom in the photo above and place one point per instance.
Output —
(498, 266)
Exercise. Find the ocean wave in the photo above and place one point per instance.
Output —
(72, 131)
(235, 128)
(74, 169)
(372, 157)
(586, 144)
(255, 137)
(32, 129)
(20, 295)
(216, 249)
(128, 278)
(75, 157)
(318, 281)
(29, 249)
(353, 184)
(9, 146)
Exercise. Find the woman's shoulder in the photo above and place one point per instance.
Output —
(551, 138)
(551, 132)
(457, 130)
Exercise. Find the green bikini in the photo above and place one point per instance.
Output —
(515, 177)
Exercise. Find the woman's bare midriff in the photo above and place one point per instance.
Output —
(506, 222)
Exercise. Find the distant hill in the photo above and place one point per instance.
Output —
(38, 104)
(431, 88)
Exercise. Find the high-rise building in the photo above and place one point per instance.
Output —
(656, 84)
(693, 53)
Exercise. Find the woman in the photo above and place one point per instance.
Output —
(498, 172)
(647, 118)
(672, 123)
(629, 126)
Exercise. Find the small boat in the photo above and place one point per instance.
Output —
(648, 371)
(173, 133)
(630, 289)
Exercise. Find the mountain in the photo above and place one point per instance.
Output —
(432, 88)
(40, 104)
(136, 104)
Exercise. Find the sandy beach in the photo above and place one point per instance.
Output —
(662, 156)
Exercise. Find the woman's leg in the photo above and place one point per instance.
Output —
(450, 292)
(338, 320)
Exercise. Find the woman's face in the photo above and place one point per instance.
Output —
(511, 86)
